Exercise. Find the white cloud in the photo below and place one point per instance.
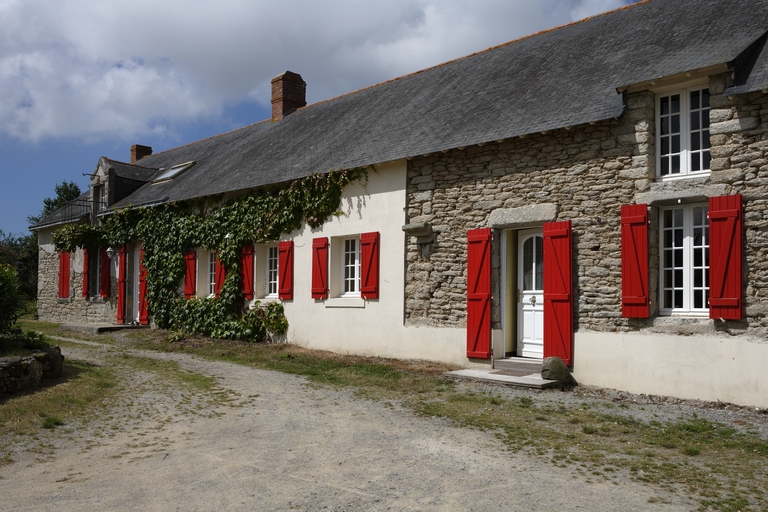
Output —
(124, 68)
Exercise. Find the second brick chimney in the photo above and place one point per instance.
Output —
(289, 92)
(138, 152)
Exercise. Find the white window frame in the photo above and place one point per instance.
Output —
(688, 267)
(350, 264)
(211, 274)
(272, 274)
(686, 154)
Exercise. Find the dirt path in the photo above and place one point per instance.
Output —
(280, 444)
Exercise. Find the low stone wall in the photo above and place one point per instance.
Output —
(23, 372)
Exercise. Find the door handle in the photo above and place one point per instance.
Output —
(533, 300)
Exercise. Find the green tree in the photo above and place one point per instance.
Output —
(65, 191)
(11, 300)
(20, 252)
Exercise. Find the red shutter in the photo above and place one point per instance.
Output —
(320, 268)
(121, 284)
(726, 289)
(285, 269)
(86, 272)
(246, 265)
(143, 299)
(479, 293)
(558, 297)
(190, 274)
(634, 261)
(369, 265)
(64, 259)
(104, 283)
(220, 275)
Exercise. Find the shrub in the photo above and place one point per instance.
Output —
(11, 299)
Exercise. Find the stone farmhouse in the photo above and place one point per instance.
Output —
(598, 192)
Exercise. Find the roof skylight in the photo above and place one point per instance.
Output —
(173, 172)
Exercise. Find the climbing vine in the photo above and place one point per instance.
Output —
(167, 231)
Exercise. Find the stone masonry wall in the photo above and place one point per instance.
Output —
(589, 172)
(75, 309)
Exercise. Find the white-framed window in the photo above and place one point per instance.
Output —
(684, 265)
(682, 132)
(212, 274)
(272, 274)
(350, 267)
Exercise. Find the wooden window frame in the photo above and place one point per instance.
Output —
(686, 154)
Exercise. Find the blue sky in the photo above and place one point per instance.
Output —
(82, 80)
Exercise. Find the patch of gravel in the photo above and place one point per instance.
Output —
(278, 443)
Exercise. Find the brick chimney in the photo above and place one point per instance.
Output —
(289, 92)
(138, 152)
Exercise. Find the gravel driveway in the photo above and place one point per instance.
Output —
(281, 444)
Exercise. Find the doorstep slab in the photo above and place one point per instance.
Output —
(502, 377)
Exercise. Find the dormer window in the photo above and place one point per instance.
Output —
(99, 198)
(173, 172)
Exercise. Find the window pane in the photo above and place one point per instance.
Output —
(675, 164)
(667, 298)
(539, 263)
(707, 160)
(678, 238)
(664, 126)
(698, 278)
(675, 103)
(675, 144)
(678, 281)
(678, 217)
(678, 298)
(675, 124)
(705, 98)
(695, 121)
(678, 258)
(695, 141)
(695, 100)
(667, 259)
(528, 264)
(664, 146)
(698, 299)
(664, 104)
(664, 166)
(698, 258)
(695, 162)
(668, 219)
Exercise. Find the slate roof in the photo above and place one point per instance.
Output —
(69, 212)
(556, 78)
(130, 171)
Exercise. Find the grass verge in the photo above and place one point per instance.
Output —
(81, 388)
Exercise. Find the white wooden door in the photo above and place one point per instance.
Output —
(530, 294)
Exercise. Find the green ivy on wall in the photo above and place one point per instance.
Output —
(167, 231)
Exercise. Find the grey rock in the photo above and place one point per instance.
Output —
(553, 368)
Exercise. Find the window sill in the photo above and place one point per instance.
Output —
(345, 302)
(684, 325)
(689, 176)
(61, 300)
